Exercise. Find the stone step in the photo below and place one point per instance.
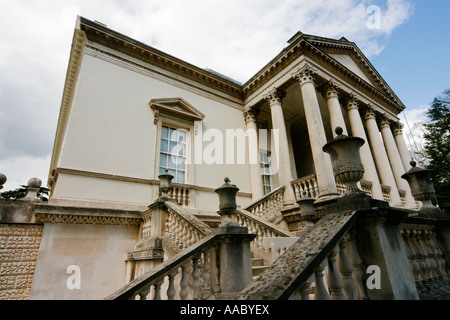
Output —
(257, 270)
(257, 262)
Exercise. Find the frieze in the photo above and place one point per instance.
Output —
(85, 219)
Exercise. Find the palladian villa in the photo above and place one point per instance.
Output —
(171, 181)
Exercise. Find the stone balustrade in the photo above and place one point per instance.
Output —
(181, 194)
(299, 272)
(263, 230)
(190, 275)
(269, 206)
(182, 228)
(306, 186)
(425, 254)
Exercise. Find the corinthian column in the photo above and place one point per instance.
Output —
(357, 128)
(274, 97)
(322, 163)
(394, 158)
(334, 107)
(253, 155)
(381, 158)
(401, 145)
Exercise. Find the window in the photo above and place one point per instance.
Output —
(265, 171)
(173, 153)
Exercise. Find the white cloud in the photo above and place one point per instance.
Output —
(234, 37)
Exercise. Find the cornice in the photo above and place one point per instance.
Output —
(73, 68)
(123, 44)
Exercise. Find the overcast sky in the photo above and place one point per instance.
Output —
(234, 37)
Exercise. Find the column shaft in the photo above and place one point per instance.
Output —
(357, 128)
(284, 165)
(253, 156)
(401, 145)
(396, 162)
(381, 158)
(322, 162)
(334, 108)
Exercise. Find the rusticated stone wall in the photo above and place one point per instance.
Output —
(19, 247)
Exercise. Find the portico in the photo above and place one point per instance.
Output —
(306, 103)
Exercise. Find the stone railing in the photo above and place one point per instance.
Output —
(299, 273)
(181, 194)
(189, 275)
(306, 186)
(425, 255)
(268, 206)
(386, 193)
(263, 230)
(182, 228)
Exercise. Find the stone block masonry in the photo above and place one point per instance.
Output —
(19, 247)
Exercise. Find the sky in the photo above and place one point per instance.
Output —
(407, 42)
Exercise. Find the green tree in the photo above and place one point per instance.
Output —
(437, 147)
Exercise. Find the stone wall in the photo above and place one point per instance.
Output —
(19, 247)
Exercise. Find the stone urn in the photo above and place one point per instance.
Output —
(346, 160)
(165, 185)
(422, 189)
(227, 203)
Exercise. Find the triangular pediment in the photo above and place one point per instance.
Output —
(176, 107)
(350, 56)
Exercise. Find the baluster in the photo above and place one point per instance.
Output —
(216, 260)
(410, 253)
(184, 282)
(335, 283)
(358, 269)
(143, 294)
(440, 255)
(195, 279)
(321, 292)
(183, 197)
(305, 289)
(171, 291)
(206, 274)
(429, 254)
(346, 269)
(179, 195)
(416, 255)
(424, 267)
(157, 289)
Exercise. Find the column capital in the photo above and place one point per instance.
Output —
(385, 122)
(329, 89)
(398, 128)
(305, 74)
(352, 102)
(250, 115)
(275, 96)
(370, 113)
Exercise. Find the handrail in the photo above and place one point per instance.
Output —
(141, 286)
(183, 228)
(263, 229)
(307, 258)
(268, 206)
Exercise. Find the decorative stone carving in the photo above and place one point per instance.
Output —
(346, 160)
(275, 96)
(250, 115)
(305, 74)
(422, 190)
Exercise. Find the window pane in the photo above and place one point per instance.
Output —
(180, 176)
(182, 136)
(163, 160)
(181, 163)
(172, 172)
(173, 134)
(173, 147)
(182, 149)
(162, 170)
(172, 162)
(165, 132)
(164, 145)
